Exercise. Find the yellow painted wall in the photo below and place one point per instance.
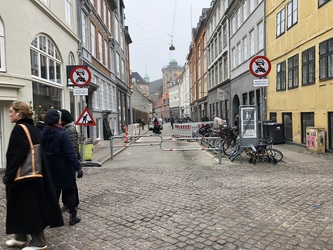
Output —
(314, 26)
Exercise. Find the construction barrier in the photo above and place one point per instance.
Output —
(187, 130)
(217, 149)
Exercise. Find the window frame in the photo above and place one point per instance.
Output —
(293, 72)
(292, 13)
(308, 64)
(322, 2)
(281, 76)
(324, 55)
(2, 48)
(281, 25)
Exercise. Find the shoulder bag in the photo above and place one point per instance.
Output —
(32, 165)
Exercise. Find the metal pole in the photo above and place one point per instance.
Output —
(262, 112)
(220, 151)
(111, 147)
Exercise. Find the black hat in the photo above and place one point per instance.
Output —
(66, 116)
(52, 116)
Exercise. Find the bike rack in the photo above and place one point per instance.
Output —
(219, 149)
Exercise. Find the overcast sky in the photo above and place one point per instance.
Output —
(152, 24)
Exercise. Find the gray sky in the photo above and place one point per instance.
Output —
(152, 24)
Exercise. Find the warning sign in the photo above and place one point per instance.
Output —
(86, 119)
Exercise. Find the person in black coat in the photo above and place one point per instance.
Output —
(32, 204)
(67, 121)
(62, 161)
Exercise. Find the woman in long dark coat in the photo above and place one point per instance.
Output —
(62, 161)
(32, 203)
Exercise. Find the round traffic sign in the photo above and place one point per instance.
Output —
(80, 76)
(260, 66)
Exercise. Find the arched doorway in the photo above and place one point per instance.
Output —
(235, 107)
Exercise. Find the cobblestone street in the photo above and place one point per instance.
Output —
(150, 199)
(235, 206)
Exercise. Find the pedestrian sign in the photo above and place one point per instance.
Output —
(80, 76)
(86, 119)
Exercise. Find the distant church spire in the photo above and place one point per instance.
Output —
(146, 77)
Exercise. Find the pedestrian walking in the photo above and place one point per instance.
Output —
(40, 123)
(32, 203)
(143, 124)
(62, 161)
(67, 121)
(172, 121)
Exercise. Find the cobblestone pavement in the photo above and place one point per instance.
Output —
(195, 206)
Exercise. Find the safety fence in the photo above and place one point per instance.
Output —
(188, 130)
(130, 141)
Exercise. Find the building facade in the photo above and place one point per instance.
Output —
(38, 40)
(247, 40)
(299, 45)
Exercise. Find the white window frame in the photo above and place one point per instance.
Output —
(69, 13)
(245, 49)
(251, 41)
(260, 28)
(100, 47)
(292, 13)
(280, 22)
(2, 47)
(93, 39)
(85, 31)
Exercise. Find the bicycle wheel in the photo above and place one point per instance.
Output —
(228, 146)
(277, 154)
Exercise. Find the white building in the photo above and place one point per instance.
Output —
(38, 39)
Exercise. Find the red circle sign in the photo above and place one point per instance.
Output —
(80, 76)
(260, 66)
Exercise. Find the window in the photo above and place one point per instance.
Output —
(106, 58)
(239, 54)
(71, 59)
(100, 47)
(2, 47)
(93, 39)
(69, 13)
(326, 59)
(293, 72)
(45, 59)
(322, 2)
(280, 22)
(85, 35)
(233, 54)
(245, 48)
(281, 76)
(292, 13)
(225, 69)
(245, 10)
(117, 65)
(251, 40)
(225, 36)
(287, 119)
(260, 35)
(308, 66)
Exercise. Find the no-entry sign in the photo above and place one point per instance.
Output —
(260, 66)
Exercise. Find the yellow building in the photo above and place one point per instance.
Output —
(299, 43)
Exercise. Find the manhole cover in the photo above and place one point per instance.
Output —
(207, 183)
(112, 198)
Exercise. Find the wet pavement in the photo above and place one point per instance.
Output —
(199, 204)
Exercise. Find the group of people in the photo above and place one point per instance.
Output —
(33, 203)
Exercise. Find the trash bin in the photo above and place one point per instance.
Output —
(87, 146)
(315, 139)
(274, 130)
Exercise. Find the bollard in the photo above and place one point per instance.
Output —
(126, 135)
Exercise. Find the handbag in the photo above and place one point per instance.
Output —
(32, 165)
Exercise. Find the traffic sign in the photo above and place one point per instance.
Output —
(85, 119)
(260, 66)
(80, 76)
